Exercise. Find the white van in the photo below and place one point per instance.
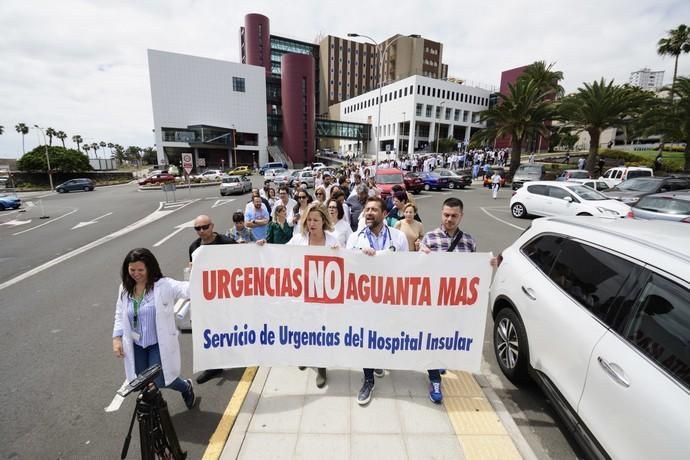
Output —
(615, 176)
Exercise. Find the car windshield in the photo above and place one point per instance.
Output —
(228, 180)
(638, 185)
(586, 193)
(389, 179)
(579, 174)
(445, 172)
(666, 205)
(529, 170)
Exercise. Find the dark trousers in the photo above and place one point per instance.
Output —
(434, 375)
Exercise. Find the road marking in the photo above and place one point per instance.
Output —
(501, 220)
(47, 194)
(220, 436)
(15, 222)
(84, 224)
(179, 228)
(44, 224)
(154, 216)
(221, 202)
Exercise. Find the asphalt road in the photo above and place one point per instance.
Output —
(58, 369)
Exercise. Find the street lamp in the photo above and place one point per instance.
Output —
(438, 136)
(380, 54)
(50, 174)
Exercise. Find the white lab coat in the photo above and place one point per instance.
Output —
(166, 293)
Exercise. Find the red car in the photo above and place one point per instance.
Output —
(386, 178)
(413, 183)
(158, 177)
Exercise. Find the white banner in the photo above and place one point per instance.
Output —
(315, 306)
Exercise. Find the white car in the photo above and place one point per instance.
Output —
(553, 198)
(597, 312)
(615, 176)
(235, 184)
(596, 184)
(211, 175)
(273, 172)
(304, 176)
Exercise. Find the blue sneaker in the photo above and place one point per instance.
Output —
(189, 396)
(435, 393)
(364, 395)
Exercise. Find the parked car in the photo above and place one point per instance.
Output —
(272, 164)
(282, 179)
(304, 176)
(386, 178)
(9, 201)
(235, 184)
(273, 172)
(664, 206)
(240, 171)
(553, 198)
(597, 312)
(528, 172)
(493, 169)
(413, 183)
(596, 184)
(433, 180)
(570, 174)
(210, 175)
(71, 185)
(633, 189)
(454, 180)
(157, 177)
(615, 176)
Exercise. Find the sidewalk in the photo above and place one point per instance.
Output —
(284, 416)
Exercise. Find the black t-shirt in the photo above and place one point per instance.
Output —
(220, 239)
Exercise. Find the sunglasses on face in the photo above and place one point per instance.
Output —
(319, 193)
(202, 227)
(302, 197)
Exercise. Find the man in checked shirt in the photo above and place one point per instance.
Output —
(447, 237)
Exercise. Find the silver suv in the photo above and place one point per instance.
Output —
(597, 312)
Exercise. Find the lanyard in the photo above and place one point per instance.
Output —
(136, 303)
(371, 241)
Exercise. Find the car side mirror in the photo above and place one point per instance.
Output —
(569, 199)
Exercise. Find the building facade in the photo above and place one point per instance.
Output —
(415, 113)
(647, 79)
(213, 109)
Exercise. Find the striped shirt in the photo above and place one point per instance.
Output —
(440, 240)
(146, 321)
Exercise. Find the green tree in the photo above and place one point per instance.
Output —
(62, 136)
(150, 156)
(50, 132)
(94, 146)
(671, 117)
(598, 106)
(86, 149)
(22, 129)
(132, 154)
(674, 44)
(119, 154)
(519, 114)
(77, 139)
(546, 78)
(103, 145)
(110, 146)
(61, 159)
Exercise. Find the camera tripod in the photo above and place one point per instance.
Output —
(156, 432)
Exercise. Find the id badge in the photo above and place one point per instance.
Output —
(135, 335)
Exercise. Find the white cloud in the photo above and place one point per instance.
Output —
(80, 66)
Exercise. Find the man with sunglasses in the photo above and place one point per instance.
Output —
(203, 226)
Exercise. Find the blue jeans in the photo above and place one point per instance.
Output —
(147, 357)
(434, 375)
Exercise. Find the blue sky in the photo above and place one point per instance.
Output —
(80, 66)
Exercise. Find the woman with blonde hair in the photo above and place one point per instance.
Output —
(413, 229)
(316, 230)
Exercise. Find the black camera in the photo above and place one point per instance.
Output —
(142, 381)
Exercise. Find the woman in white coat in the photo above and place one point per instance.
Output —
(144, 332)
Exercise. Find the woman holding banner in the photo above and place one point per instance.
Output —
(316, 230)
(144, 332)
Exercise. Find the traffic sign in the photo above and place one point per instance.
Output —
(187, 162)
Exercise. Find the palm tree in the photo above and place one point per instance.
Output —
(23, 130)
(103, 144)
(86, 149)
(520, 113)
(94, 146)
(546, 78)
(676, 43)
(110, 146)
(77, 139)
(62, 136)
(599, 106)
(50, 132)
(671, 117)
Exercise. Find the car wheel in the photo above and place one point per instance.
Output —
(86, 189)
(2, 207)
(518, 210)
(451, 185)
(61, 190)
(510, 346)
(584, 214)
(427, 187)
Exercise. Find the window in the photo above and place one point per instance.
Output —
(559, 193)
(438, 111)
(428, 110)
(457, 115)
(661, 326)
(419, 110)
(238, 84)
(592, 277)
(543, 251)
(448, 111)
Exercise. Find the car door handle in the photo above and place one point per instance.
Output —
(529, 293)
(614, 371)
